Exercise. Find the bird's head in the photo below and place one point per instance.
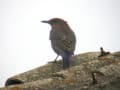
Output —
(54, 21)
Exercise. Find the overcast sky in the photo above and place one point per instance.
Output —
(24, 40)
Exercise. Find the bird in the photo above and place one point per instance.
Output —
(63, 40)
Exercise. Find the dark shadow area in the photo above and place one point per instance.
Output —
(13, 82)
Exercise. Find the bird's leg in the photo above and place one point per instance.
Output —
(55, 60)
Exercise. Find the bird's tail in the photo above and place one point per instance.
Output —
(67, 60)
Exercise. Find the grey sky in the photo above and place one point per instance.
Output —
(24, 40)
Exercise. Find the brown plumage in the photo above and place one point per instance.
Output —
(63, 39)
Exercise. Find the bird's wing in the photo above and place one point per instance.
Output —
(62, 41)
(69, 43)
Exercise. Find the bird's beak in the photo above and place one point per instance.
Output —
(45, 22)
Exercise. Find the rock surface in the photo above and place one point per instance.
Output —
(87, 72)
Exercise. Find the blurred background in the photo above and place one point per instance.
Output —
(24, 40)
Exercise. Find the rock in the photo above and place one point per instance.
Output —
(89, 72)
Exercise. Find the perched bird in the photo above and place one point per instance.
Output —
(63, 40)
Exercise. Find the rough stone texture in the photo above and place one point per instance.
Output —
(88, 72)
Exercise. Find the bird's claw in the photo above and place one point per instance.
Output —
(52, 62)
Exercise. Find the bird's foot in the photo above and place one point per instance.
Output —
(53, 61)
